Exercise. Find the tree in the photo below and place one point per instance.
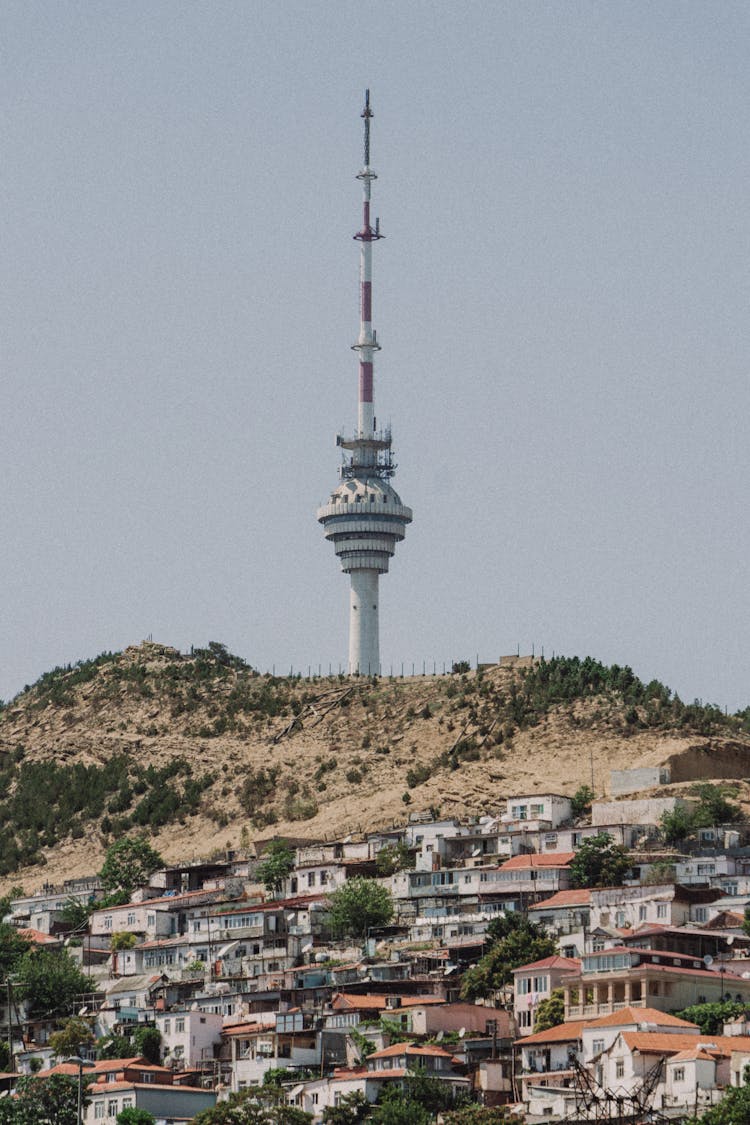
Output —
(12, 948)
(733, 1109)
(51, 1101)
(51, 981)
(580, 802)
(132, 1116)
(711, 1017)
(278, 862)
(256, 1106)
(74, 1034)
(75, 914)
(147, 1042)
(599, 863)
(550, 1012)
(128, 864)
(398, 1110)
(123, 939)
(359, 905)
(517, 941)
(393, 858)
(351, 1110)
(677, 824)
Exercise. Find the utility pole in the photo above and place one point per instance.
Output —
(10, 1023)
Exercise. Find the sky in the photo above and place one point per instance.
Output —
(561, 299)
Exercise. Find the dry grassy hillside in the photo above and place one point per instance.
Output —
(204, 753)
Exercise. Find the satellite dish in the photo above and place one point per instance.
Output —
(461, 1033)
(730, 939)
(746, 976)
(439, 1036)
(708, 960)
(194, 1006)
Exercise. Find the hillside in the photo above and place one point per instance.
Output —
(205, 754)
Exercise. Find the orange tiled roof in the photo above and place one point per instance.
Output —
(563, 1033)
(396, 1049)
(546, 859)
(656, 1043)
(553, 962)
(579, 897)
(369, 1002)
(639, 1016)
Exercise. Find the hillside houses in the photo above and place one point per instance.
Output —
(240, 981)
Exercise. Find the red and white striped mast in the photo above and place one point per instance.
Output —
(364, 517)
(367, 344)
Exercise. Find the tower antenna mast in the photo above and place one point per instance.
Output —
(364, 517)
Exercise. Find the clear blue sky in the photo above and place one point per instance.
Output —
(562, 299)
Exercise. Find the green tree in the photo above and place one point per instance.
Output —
(46, 1101)
(714, 807)
(399, 1110)
(599, 863)
(711, 1017)
(677, 824)
(733, 1109)
(74, 1034)
(12, 948)
(393, 858)
(517, 942)
(580, 802)
(550, 1012)
(147, 1042)
(123, 939)
(51, 981)
(277, 864)
(351, 1110)
(75, 914)
(114, 1046)
(359, 905)
(131, 1116)
(257, 1106)
(128, 864)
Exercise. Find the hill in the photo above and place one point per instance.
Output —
(204, 753)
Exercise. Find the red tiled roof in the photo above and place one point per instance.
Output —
(397, 1049)
(349, 1001)
(654, 1043)
(563, 1033)
(639, 1016)
(546, 859)
(579, 897)
(553, 962)
(38, 938)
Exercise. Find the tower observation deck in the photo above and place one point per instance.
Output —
(364, 517)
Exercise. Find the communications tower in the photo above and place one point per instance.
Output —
(364, 517)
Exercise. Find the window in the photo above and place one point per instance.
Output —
(151, 920)
(311, 878)
(540, 984)
(112, 1107)
(701, 914)
(108, 922)
(323, 878)
(167, 1027)
(642, 911)
(99, 1110)
(620, 918)
(679, 1074)
(661, 910)
(127, 1103)
(523, 986)
(524, 1019)
(179, 1024)
(597, 1046)
(536, 811)
(620, 1068)
(519, 812)
(131, 918)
